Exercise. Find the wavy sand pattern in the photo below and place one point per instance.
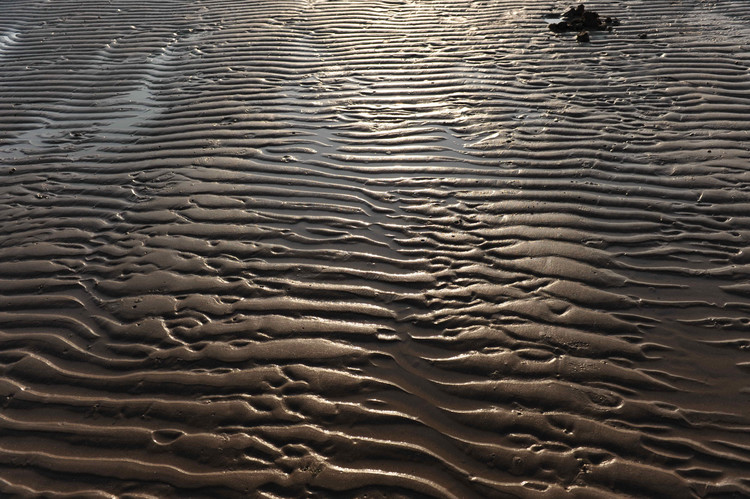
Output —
(400, 248)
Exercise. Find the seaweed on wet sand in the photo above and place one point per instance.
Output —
(582, 21)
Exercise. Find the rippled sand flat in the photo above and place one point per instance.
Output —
(286, 249)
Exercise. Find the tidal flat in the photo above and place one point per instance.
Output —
(374, 249)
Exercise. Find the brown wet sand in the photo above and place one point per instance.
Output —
(285, 249)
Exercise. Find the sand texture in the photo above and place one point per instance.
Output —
(382, 249)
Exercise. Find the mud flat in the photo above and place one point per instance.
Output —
(286, 249)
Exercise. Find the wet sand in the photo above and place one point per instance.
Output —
(286, 249)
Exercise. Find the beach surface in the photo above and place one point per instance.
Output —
(374, 249)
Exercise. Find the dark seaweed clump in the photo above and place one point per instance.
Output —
(580, 20)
